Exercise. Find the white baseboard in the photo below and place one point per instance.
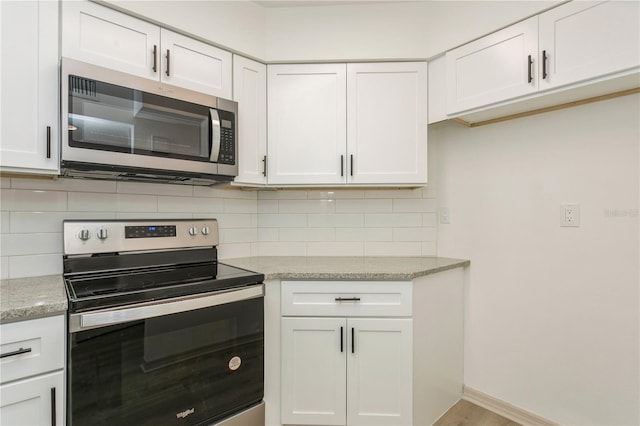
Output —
(505, 409)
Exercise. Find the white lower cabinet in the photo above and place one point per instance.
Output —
(34, 401)
(348, 370)
(32, 388)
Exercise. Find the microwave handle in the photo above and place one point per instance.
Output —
(214, 120)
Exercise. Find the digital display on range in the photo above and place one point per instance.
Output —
(149, 231)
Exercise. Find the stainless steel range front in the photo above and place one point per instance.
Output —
(160, 332)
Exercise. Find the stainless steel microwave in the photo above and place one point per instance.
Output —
(120, 126)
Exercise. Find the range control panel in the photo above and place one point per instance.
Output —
(97, 236)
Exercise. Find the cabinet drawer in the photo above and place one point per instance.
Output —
(31, 347)
(346, 298)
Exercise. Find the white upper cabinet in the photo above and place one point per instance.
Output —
(387, 123)
(576, 51)
(105, 37)
(250, 91)
(108, 38)
(29, 87)
(494, 68)
(583, 40)
(195, 65)
(306, 124)
(360, 124)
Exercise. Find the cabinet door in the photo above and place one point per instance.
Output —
(387, 123)
(583, 40)
(494, 68)
(313, 371)
(250, 91)
(195, 65)
(306, 123)
(34, 401)
(29, 83)
(105, 37)
(379, 372)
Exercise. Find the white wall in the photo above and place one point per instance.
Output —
(238, 26)
(32, 210)
(553, 313)
(401, 30)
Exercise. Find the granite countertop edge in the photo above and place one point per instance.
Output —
(35, 297)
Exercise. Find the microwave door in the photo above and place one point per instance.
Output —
(214, 120)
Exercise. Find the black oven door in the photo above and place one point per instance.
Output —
(186, 368)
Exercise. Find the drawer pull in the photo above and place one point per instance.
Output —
(14, 353)
(341, 339)
(53, 407)
(347, 299)
(353, 341)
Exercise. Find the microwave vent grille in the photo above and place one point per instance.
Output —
(83, 86)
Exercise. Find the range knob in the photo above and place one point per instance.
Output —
(193, 231)
(84, 234)
(102, 234)
(206, 230)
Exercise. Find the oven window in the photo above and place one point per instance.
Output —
(113, 118)
(189, 368)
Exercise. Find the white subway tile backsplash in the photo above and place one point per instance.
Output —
(64, 184)
(38, 222)
(394, 193)
(269, 220)
(227, 192)
(282, 249)
(5, 222)
(419, 206)
(338, 220)
(232, 205)
(430, 219)
(231, 220)
(92, 202)
(268, 206)
(152, 215)
(414, 234)
(364, 234)
(25, 244)
(335, 194)
(4, 268)
(429, 248)
(33, 200)
(5, 182)
(190, 205)
(429, 193)
(307, 234)
(238, 235)
(339, 248)
(364, 206)
(392, 249)
(230, 251)
(154, 189)
(35, 265)
(282, 195)
(306, 206)
(268, 234)
(395, 220)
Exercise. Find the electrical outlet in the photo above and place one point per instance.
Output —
(570, 215)
(444, 215)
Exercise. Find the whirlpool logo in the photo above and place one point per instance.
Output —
(185, 413)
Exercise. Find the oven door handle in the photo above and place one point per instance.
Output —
(104, 318)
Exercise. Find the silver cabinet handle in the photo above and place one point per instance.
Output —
(168, 63)
(347, 299)
(48, 141)
(155, 58)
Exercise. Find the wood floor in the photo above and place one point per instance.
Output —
(465, 413)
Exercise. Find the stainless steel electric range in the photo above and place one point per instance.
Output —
(160, 332)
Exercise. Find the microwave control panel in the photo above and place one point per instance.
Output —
(227, 138)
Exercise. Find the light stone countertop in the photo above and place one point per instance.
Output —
(28, 298)
(345, 267)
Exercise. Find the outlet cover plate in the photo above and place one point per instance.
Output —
(570, 215)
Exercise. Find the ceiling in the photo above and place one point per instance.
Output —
(303, 3)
